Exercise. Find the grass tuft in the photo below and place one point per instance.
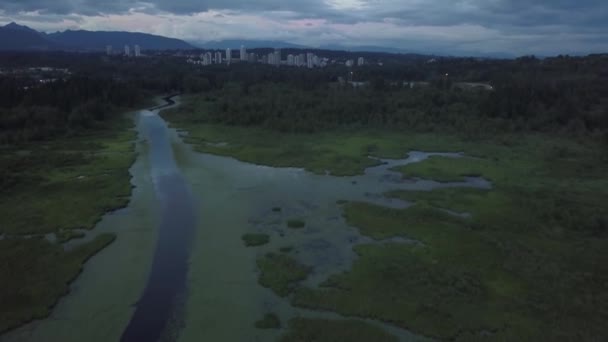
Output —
(254, 240)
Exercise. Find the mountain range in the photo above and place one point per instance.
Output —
(18, 37)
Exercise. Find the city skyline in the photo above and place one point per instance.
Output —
(461, 27)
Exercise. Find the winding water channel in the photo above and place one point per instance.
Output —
(179, 270)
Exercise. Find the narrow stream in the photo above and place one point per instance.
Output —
(166, 285)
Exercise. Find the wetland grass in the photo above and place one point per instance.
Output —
(280, 273)
(57, 186)
(525, 244)
(254, 240)
(323, 330)
(296, 223)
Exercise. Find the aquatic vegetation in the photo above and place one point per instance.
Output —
(280, 273)
(254, 240)
(35, 273)
(270, 321)
(323, 330)
(57, 186)
(296, 223)
(442, 169)
(526, 255)
(87, 174)
(286, 249)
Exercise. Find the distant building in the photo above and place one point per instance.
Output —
(127, 51)
(310, 63)
(302, 60)
(243, 54)
(253, 58)
(277, 57)
(228, 56)
(109, 50)
(350, 63)
(137, 51)
(218, 57)
(361, 61)
(290, 60)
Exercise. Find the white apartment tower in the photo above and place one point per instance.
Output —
(218, 57)
(127, 50)
(228, 55)
(361, 61)
(277, 57)
(310, 60)
(137, 51)
(243, 54)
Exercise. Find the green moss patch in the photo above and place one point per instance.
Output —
(254, 240)
(322, 330)
(280, 273)
(296, 223)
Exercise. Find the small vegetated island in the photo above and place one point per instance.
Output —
(529, 261)
(527, 258)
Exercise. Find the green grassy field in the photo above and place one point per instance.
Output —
(54, 187)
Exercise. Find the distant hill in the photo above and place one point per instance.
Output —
(249, 44)
(18, 37)
(97, 40)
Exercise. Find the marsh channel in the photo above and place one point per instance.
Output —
(179, 270)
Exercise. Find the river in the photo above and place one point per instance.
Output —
(179, 270)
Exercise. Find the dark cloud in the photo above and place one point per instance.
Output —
(503, 24)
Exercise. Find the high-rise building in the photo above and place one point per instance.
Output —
(137, 51)
(350, 63)
(253, 58)
(290, 60)
(277, 57)
(228, 56)
(361, 61)
(109, 50)
(218, 57)
(243, 54)
(310, 60)
(127, 50)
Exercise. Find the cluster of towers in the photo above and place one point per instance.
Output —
(127, 51)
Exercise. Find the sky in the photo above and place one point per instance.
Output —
(456, 27)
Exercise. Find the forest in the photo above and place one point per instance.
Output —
(566, 95)
(562, 95)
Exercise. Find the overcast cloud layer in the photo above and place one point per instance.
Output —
(474, 27)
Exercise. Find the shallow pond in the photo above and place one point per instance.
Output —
(179, 269)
